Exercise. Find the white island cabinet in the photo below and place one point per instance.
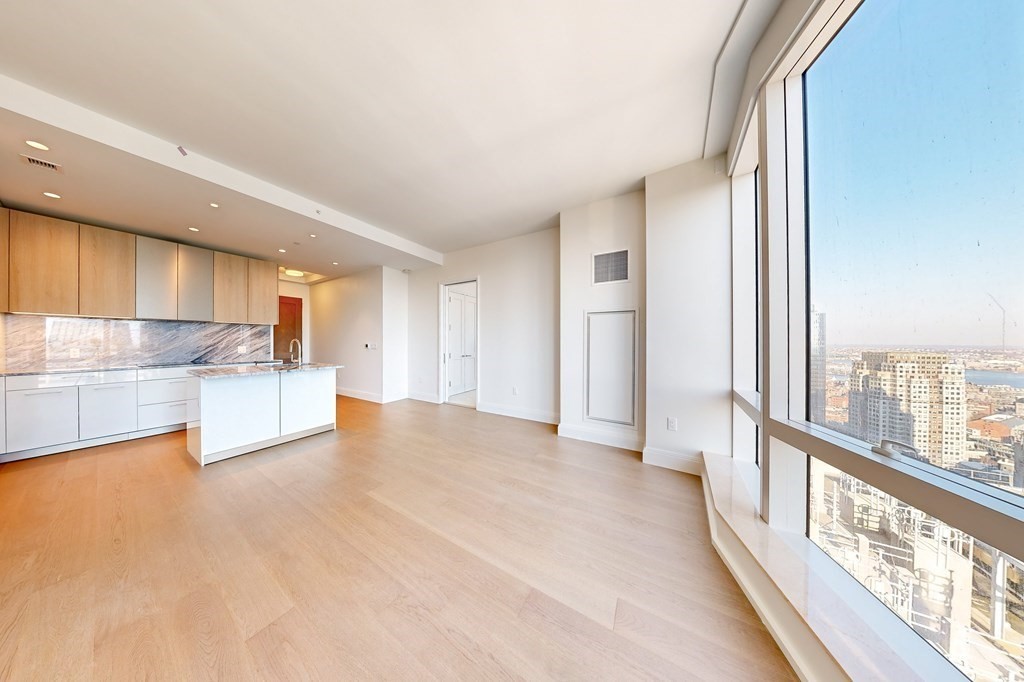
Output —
(242, 409)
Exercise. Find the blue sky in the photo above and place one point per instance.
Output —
(915, 129)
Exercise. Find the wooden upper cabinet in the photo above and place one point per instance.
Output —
(5, 242)
(106, 272)
(195, 283)
(156, 279)
(230, 288)
(43, 265)
(263, 302)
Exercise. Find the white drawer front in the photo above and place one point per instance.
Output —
(167, 390)
(176, 372)
(114, 376)
(40, 417)
(107, 409)
(167, 414)
(24, 383)
(165, 373)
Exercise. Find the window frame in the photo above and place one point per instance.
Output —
(990, 514)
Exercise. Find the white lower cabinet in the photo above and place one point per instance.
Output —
(40, 417)
(107, 409)
(167, 397)
(167, 414)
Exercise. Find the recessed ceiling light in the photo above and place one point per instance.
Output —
(294, 273)
(334, 263)
(37, 145)
(213, 205)
(313, 236)
(281, 251)
(193, 229)
(51, 195)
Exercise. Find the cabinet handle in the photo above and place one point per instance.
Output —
(177, 381)
(175, 404)
(109, 388)
(54, 392)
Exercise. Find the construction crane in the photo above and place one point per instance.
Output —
(1000, 306)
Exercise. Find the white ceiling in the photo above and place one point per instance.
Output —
(450, 123)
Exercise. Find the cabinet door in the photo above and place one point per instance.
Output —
(106, 272)
(263, 304)
(156, 279)
(107, 409)
(195, 283)
(230, 288)
(5, 242)
(41, 417)
(44, 265)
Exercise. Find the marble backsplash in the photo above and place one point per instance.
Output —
(36, 342)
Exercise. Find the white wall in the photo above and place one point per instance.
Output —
(347, 315)
(608, 225)
(395, 335)
(689, 346)
(299, 290)
(517, 294)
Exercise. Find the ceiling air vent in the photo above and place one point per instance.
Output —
(611, 267)
(41, 163)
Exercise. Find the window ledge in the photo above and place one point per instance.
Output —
(826, 623)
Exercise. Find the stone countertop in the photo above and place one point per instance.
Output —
(113, 368)
(250, 370)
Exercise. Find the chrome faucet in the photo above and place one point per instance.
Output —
(291, 345)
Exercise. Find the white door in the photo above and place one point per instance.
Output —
(469, 344)
(456, 324)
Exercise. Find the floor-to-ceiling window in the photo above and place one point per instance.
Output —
(893, 373)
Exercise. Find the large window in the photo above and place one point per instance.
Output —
(893, 310)
(915, 215)
(963, 596)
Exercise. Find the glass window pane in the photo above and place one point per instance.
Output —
(963, 596)
(915, 226)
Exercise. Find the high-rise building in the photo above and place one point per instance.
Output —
(817, 398)
(918, 398)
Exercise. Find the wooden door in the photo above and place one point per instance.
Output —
(230, 288)
(106, 269)
(456, 319)
(263, 302)
(469, 344)
(44, 265)
(288, 327)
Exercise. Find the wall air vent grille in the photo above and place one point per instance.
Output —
(611, 267)
(42, 163)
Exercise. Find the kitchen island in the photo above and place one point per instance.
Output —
(242, 409)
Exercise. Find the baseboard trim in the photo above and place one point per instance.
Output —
(360, 395)
(601, 437)
(518, 412)
(424, 397)
(677, 461)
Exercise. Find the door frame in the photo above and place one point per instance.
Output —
(442, 336)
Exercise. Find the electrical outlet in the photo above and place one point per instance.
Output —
(515, 390)
(672, 424)
(75, 353)
(242, 350)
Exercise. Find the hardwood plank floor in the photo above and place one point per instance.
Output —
(416, 542)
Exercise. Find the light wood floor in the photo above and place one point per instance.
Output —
(416, 542)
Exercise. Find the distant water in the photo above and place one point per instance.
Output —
(986, 378)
